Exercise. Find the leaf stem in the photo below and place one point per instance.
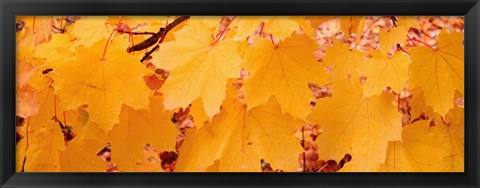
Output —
(364, 32)
(224, 30)
(164, 33)
(271, 40)
(420, 41)
(261, 28)
(106, 45)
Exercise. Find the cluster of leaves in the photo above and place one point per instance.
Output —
(236, 94)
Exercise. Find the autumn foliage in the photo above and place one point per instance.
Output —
(240, 94)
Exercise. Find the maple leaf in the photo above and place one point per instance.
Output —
(103, 92)
(279, 26)
(46, 140)
(440, 71)
(284, 71)
(151, 161)
(357, 125)
(389, 37)
(34, 35)
(240, 138)
(306, 26)
(80, 154)
(44, 156)
(316, 21)
(138, 128)
(210, 22)
(89, 30)
(26, 101)
(102, 83)
(48, 149)
(409, 155)
(215, 167)
(142, 24)
(418, 105)
(138, 22)
(454, 127)
(199, 68)
(198, 113)
(383, 71)
(20, 149)
(352, 25)
(426, 148)
(344, 60)
(25, 93)
(54, 49)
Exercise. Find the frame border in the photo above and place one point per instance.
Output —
(10, 8)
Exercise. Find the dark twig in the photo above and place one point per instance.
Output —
(156, 38)
(149, 53)
(138, 33)
(61, 30)
(152, 40)
(163, 34)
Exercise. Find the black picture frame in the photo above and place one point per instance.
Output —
(11, 8)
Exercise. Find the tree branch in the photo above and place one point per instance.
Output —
(156, 38)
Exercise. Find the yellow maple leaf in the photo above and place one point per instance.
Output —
(37, 30)
(53, 49)
(417, 152)
(48, 151)
(89, 30)
(279, 26)
(199, 68)
(426, 148)
(357, 125)
(140, 21)
(198, 113)
(151, 161)
(284, 71)
(382, 71)
(210, 22)
(316, 21)
(144, 24)
(352, 25)
(240, 138)
(306, 26)
(80, 154)
(454, 127)
(407, 21)
(418, 105)
(215, 167)
(102, 83)
(440, 71)
(44, 155)
(389, 37)
(20, 148)
(344, 60)
(138, 128)
(27, 104)
(46, 140)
